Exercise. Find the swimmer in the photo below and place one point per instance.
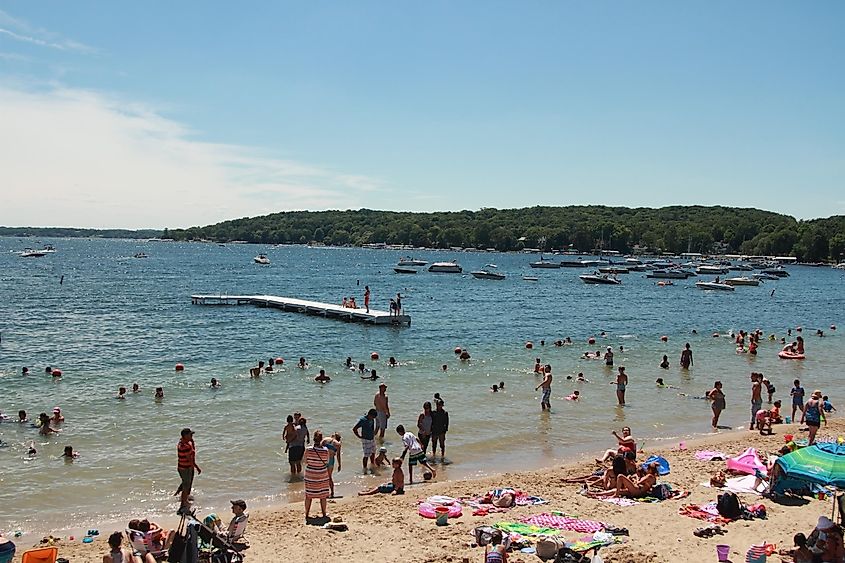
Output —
(121, 393)
(214, 383)
(621, 349)
(558, 343)
(302, 363)
(494, 388)
(444, 367)
(323, 378)
(568, 340)
(665, 363)
(159, 395)
(660, 382)
(464, 355)
(25, 371)
(269, 367)
(136, 388)
(57, 417)
(32, 452)
(542, 343)
(392, 362)
(538, 368)
(44, 427)
(69, 454)
(361, 368)
(372, 376)
(574, 396)
(501, 385)
(22, 416)
(349, 363)
(581, 378)
(438, 398)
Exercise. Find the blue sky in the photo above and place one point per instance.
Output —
(182, 113)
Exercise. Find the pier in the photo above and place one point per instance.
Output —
(315, 308)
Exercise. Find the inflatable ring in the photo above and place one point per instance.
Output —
(787, 356)
(426, 510)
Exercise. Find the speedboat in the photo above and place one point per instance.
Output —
(779, 272)
(487, 275)
(740, 268)
(141, 255)
(765, 276)
(30, 253)
(404, 270)
(840, 266)
(714, 285)
(544, 263)
(407, 261)
(262, 259)
(711, 269)
(445, 268)
(668, 274)
(742, 280)
(48, 249)
(530, 278)
(600, 279)
(571, 264)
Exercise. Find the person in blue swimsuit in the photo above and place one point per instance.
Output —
(813, 416)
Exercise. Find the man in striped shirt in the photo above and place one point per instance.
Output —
(187, 464)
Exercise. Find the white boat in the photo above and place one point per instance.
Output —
(404, 270)
(487, 275)
(544, 263)
(30, 253)
(711, 269)
(445, 268)
(668, 274)
(599, 279)
(840, 266)
(613, 270)
(262, 259)
(408, 261)
(740, 268)
(764, 276)
(530, 278)
(718, 286)
(48, 249)
(742, 280)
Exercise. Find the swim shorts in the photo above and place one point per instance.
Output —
(295, 453)
(547, 393)
(369, 447)
(187, 475)
(416, 458)
(381, 420)
(387, 488)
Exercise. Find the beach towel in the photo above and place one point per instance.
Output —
(561, 521)
(705, 512)
(707, 455)
(620, 501)
(749, 484)
(525, 500)
(747, 462)
(525, 529)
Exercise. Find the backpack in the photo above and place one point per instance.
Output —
(729, 506)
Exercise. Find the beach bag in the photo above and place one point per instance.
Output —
(729, 506)
(548, 547)
(483, 535)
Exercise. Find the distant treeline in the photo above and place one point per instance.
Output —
(60, 232)
(668, 229)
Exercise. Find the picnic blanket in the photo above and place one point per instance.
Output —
(561, 521)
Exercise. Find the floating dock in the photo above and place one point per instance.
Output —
(314, 308)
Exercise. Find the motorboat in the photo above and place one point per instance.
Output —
(404, 270)
(530, 278)
(48, 249)
(668, 274)
(571, 264)
(407, 261)
(840, 266)
(140, 255)
(262, 259)
(742, 280)
(779, 272)
(544, 263)
(30, 253)
(764, 276)
(711, 269)
(740, 268)
(714, 285)
(487, 275)
(445, 268)
(599, 279)
(594, 263)
(613, 270)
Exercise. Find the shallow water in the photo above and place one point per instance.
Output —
(116, 320)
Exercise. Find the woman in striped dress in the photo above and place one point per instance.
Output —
(317, 480)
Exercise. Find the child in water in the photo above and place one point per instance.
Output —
(574, 396)
(665, 363)
(69, 454)
(381, 458)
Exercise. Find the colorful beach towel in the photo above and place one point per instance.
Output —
(561, 521)
(705, 512)
(708, 455)
(525, 529)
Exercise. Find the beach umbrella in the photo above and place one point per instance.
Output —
(823, 464)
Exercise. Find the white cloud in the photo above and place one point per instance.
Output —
(20, 30)
(78, 158)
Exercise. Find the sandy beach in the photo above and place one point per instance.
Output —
(388, 528)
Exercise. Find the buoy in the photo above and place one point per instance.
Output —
(664, 338)
(374, 356)
(591, 340)
(280, 360)
(180, 367)
(56, 373)
(529, 345)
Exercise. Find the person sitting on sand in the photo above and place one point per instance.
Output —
(633, 487)
(322, 378)
(801, 553)
(119, 554)
(396, 485)
(626, 444)
(827, 406)
(774, 413)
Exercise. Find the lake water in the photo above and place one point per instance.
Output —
(116, 320)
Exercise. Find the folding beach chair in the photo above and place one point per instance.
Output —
(222, 551)
(40, 555)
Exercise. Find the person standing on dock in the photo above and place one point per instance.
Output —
(398, 304)
(546, 385)
(380, 402)
(367, 297)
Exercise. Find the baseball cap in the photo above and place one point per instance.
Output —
(239, 502)
(57, 409)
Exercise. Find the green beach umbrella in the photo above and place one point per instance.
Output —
(823, 464)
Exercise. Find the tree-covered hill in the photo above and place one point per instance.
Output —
(668, 229)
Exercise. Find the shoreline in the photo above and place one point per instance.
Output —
(401, 529)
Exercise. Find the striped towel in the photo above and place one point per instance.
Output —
(562, 522)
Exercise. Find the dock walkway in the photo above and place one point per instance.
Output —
(315, 308)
